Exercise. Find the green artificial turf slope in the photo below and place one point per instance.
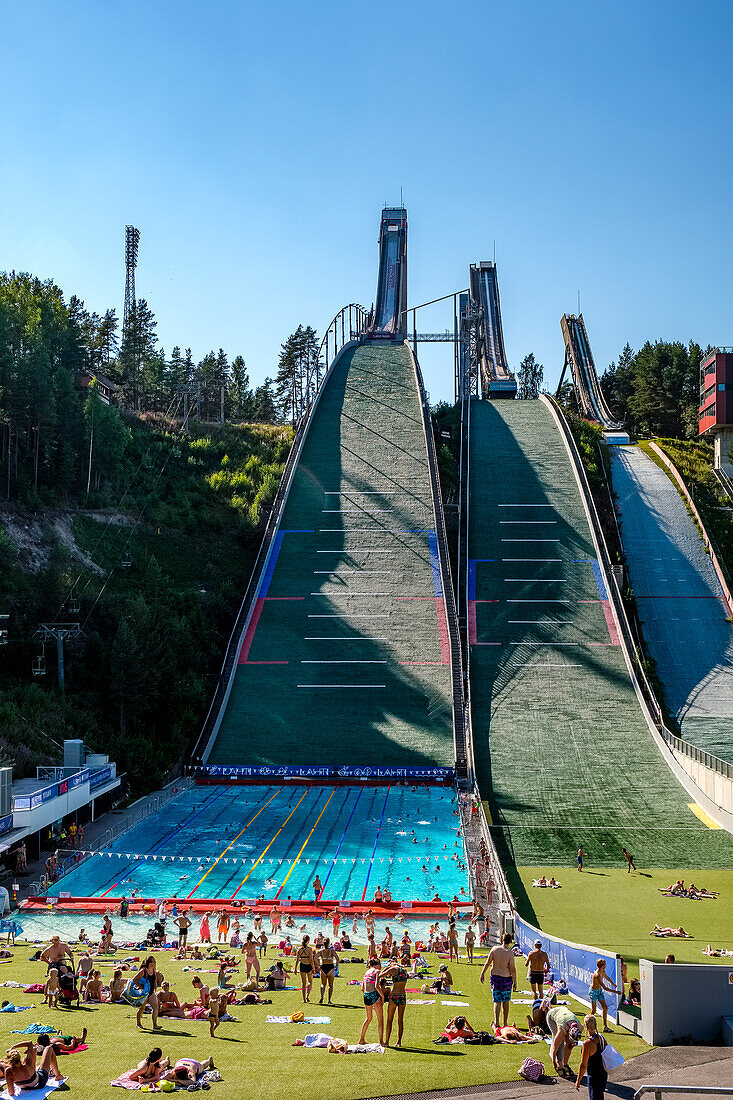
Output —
(346, 663)
(258, 1059)
(563, 753)
(606, 907)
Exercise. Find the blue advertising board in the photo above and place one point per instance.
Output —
(6, 823)
(323, 771)
(575, 962)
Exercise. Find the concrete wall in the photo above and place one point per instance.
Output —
(718, 788)
(681, 1001)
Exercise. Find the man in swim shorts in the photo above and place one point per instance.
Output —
(538, 964)
(503, 976)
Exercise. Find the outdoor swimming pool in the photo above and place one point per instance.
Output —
(238, 842)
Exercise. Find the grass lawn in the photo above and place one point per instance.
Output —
(609, 908)
(252, 1054)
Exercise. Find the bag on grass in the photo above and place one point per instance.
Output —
(297, 1018)
(612, 1058)
(482, 1038)
(531, 1069)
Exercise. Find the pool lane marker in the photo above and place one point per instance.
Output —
(335, 858)
(376, 841)
(310, 834)
(167, 836)
(213, 865)
(267, 849)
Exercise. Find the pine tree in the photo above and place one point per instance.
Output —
(240, 393)
(530, 376)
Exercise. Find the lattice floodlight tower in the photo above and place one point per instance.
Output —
(132, 242)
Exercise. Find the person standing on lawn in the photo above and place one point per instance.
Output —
(503, 976)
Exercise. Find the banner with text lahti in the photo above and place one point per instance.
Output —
(575, 962)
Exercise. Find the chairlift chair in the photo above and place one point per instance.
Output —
(126, 561)
(39, 665)
(73, 606)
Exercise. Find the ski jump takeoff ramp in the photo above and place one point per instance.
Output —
(346, 656)
(562, 750)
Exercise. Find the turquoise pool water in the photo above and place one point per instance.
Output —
(237, 843)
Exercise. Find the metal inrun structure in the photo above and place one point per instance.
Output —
(132, 242)
(579, 358)
(482, 360)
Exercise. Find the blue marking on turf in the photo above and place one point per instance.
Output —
(471, 579)
(435, 563)
(272, 562)
(600, 584)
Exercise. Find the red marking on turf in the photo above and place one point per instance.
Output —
(472, 622)
(610, 622)
(246, 644)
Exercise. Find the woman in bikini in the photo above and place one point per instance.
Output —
(304, 966)
(21, 1071)
(151, 1068)
(329, 961)
(187, 1071)
(145, 982)
(373, 1001)
(168, 1003)
(397, 998)
(249, 950)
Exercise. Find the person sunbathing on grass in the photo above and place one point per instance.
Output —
(679, 932)
(187, 1071)
(676, 890)
(511, 1034)
(700, 892)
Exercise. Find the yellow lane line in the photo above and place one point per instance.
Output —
(244, 830)
(267, 849)
(310, 834)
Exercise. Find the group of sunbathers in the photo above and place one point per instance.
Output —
(678, 932)
(695, 893)
(550, 882)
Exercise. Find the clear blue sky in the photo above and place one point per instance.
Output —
(254, 145)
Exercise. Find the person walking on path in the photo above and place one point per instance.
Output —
(630, 865)
(503, 977)
(591, 1061)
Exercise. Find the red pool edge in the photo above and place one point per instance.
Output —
(202, 905)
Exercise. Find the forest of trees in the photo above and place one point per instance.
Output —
(50, 348)
(147, 530)
(655, 391)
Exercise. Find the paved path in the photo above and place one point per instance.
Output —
(680, 601)
(704, 1066)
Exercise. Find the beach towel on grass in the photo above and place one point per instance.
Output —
(124, 1082)
(38, 1094)
(36, 1029)
(307, 1020)
(76, 1050)
(15, 1008)
(421, 1002)
(457, 1004)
